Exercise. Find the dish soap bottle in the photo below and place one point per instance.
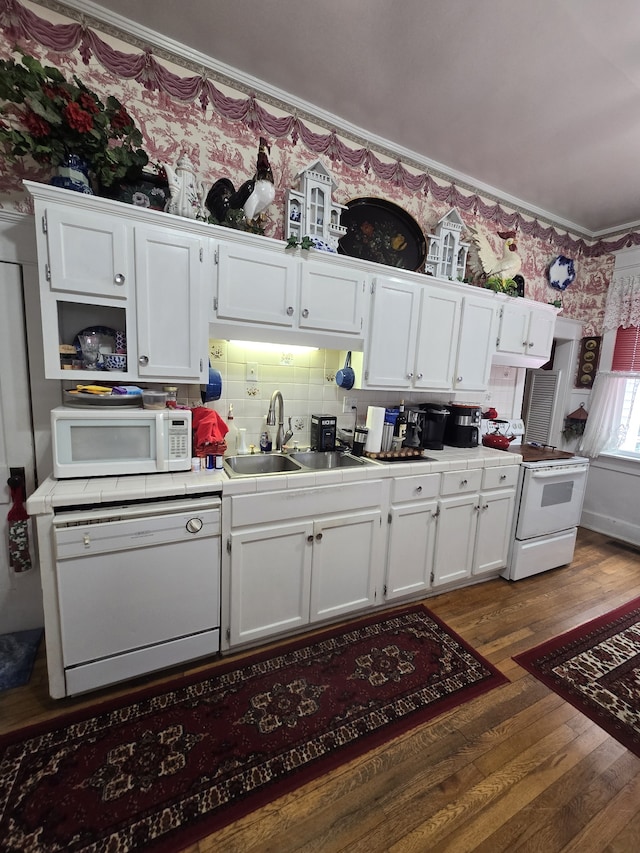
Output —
(232, 435)
(265, 442)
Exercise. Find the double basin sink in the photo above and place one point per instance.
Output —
(255, 465)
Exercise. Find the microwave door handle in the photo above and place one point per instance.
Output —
(559, 472)
(161, 459)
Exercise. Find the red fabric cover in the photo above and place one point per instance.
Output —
(209, 430)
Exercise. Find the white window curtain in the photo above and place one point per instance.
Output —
(612, 413)
(623, 302)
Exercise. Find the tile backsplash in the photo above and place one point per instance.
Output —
(307, 382)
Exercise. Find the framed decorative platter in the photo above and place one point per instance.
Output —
(562, 273)
(380, 231)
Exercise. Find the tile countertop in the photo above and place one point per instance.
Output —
(91, 491)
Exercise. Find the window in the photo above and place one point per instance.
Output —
(625, 441)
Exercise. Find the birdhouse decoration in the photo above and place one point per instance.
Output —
(447, 254)
(311, 210)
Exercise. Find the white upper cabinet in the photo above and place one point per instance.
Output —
(476, 344)
(438, 335)
(136, 277)
(274, 294)
(390, 346)
(525, 333)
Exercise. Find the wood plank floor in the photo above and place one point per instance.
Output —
(515, 769)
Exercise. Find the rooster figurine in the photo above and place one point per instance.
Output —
(493, 266)
(253, 196)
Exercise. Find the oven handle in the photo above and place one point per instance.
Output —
(563, 471)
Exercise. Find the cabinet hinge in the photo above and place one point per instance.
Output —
(215, 303)
(389, 517)
(384, 590)
(497, 342)
(373, 287)
(47, 272)
(432, 576)
(366, 375)
(228, 633)
(228, 544)
(44, 222)
(216, 257)
(201, 254)
(500, 313)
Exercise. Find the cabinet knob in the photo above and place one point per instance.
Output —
(305, 312)
(119, 278)
(143, 360)
(459, 379)
(290, 310)
(419, 489)
(486, 506)
(524, 343)
(503, 477)
(310, 537)
(530, 344)
(318, 537)
(463, 482)
(409, 375)
(419, 376)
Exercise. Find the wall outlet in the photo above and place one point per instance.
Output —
(348, 403)
(251, 374)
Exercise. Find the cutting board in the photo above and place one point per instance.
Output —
(540, 454)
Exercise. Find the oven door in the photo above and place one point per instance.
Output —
(552, 497)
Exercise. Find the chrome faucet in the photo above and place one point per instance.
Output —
(281, 436)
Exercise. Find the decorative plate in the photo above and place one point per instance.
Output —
(561, 273)
(380, 231)
(107, 341)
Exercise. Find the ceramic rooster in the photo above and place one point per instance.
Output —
(504, 267)
(253, 196)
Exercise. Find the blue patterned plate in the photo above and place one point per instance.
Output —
(561, 273)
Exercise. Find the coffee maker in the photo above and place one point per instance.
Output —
(463, 425)
(323, 432)
(430, 419)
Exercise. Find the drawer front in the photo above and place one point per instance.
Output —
(500, 478)
(420, 487)
(458, 482)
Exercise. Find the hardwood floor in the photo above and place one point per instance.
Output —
(515, 769)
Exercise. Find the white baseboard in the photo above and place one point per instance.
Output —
(625, 531)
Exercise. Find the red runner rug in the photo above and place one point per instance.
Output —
(171, 764)
(596, 667)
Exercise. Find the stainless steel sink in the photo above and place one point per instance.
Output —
(258, 465)
(264, 463)
(327, 459)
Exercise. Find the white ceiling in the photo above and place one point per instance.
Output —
(538, 100)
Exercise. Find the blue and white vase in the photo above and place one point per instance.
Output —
(73, 174)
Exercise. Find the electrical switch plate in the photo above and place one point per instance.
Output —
(348, 403)
(252, 371)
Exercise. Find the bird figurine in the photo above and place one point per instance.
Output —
(504, 267)
(252, 197)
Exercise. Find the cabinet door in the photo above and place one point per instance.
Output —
(270, 580)
(410, 552)
(513, 334)
(437, 338)
(89, 253)
(331, 299)
(391, 343)
(256, 286)
(494, 530)
(542, 325)
(455, 538)
(348, 563)
(476, 345)
(171, 304)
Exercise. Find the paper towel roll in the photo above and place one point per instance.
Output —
(375, 422)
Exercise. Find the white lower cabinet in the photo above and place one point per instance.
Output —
(326, 560)
(474, 523)
(412, 526)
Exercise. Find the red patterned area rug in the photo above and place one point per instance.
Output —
(596, 667)
(171, 764)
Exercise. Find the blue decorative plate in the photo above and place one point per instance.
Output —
(561, 273)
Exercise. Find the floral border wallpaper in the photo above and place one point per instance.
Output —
(219, 127)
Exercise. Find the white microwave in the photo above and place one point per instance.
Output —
(107, 442)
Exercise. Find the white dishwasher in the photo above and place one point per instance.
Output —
(138, 587)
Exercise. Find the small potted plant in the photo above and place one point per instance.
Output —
(58, 122)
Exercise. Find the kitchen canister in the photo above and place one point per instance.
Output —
(375, 424)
